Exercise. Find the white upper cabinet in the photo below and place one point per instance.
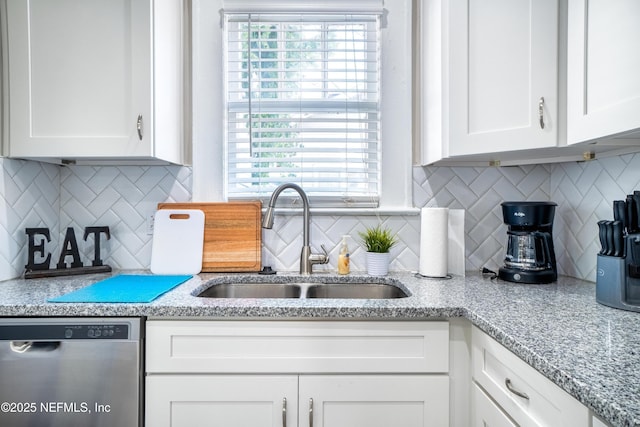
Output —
(95, 81)
(488, 77)
(603, 85)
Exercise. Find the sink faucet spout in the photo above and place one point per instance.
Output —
(307, 259)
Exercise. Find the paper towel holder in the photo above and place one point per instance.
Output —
(422, 276)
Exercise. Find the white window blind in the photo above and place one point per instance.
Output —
(303, 106)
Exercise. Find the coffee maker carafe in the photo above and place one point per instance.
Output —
(530, 255)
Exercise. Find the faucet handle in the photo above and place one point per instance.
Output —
(320, 258)
(326, 254)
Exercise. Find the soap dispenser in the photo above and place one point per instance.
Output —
(343, 257)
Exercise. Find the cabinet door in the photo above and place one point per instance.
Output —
(603, 88)
(374, 401)
(485, 412)
(218, 400)
(503, 63)
(79, 77)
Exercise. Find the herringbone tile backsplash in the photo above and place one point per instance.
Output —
(121, 198)
(585, 193)
(30, 196)
(41, 195)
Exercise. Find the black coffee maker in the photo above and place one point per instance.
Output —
(530, 256)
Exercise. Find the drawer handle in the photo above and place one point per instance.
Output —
(515, 391)
(33, 346)
(284, 412)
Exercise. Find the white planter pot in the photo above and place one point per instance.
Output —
(377, 263)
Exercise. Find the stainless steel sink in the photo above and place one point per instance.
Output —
(252, 290)
(312, 290)
(355, 291)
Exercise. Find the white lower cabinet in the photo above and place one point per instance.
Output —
(343, 374)
(290, 373)
(504, 383)
(274, 401)
(374, 400)
(212, 400)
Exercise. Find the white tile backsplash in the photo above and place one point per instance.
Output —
(585, 192)
(120, 198)
(30, 194)
(41, 195)
(479, 191)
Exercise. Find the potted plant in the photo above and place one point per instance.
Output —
(378, 240)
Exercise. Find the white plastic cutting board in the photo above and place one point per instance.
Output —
(178, 236)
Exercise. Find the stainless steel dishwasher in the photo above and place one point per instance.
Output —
(71, 372)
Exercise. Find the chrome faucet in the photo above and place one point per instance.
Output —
(307, 259)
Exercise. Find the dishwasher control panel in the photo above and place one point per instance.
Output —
(105, 331)
(78, 331)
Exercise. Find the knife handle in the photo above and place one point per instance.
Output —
(620, 212)
(632, 215)
(609, 227)
(602, 233)
(636, 202)
(618, 239)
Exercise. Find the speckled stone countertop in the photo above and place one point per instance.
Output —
(589, 350)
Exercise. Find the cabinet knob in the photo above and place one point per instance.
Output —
(541, 111)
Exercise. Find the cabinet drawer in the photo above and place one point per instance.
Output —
(486, 412)
(545, 404)
(297, 347)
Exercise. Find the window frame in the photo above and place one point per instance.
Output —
(396, 102)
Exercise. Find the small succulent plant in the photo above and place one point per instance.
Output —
(378, 239)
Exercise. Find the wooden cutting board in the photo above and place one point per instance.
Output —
(232, 235)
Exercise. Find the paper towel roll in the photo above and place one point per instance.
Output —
(434, 240)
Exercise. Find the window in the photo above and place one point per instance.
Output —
(389, 167)
(303, 106)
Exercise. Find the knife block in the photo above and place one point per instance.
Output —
(618, 278)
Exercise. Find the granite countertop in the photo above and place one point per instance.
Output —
(589, 350)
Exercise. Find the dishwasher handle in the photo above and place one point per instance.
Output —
(33, 346)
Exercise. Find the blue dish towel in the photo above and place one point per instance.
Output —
(124, 288)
